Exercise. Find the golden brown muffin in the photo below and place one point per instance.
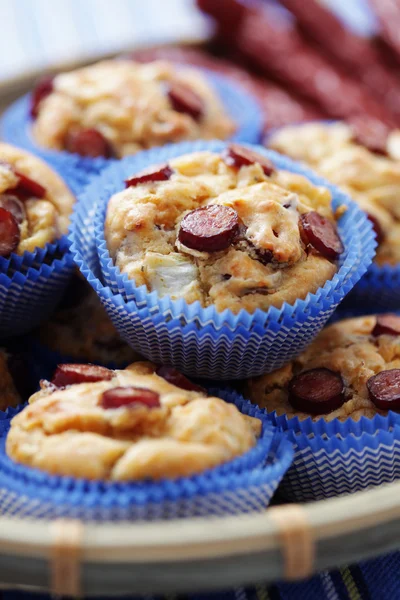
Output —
(226, 230)
(129, 425)
(354, 350)
(371, 179)
(119, 107)
(35, 202)
(81, 329)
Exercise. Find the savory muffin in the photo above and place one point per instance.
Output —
(371, 176)
(226, 229)
(351, 370)
(35, 203)
(119, 107)
(140, 423)
(81, 329)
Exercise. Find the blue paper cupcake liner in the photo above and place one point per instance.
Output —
(245, 484)
(379, 289)
(31, 285)
(16, 128)
(200, 341)
(339, 457)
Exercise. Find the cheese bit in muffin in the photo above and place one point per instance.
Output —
(226, 229)
(35, 204)
(352, 369)
(140, 423)
(118, 107)
(363, 159)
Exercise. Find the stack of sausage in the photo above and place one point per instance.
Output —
(302, 63)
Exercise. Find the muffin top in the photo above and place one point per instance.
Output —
(227, 229)
(372, 179)
(35, 203)
(118, 107)
(351, 370)
(80, 328)
(135, 424)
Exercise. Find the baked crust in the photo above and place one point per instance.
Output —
(67, 432)
(346, 347)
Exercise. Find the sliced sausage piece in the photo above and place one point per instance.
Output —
(384, 389)
(176, 378)
(160, 173)
(321, 234)
(29, 187)
(388, 324)
(185, 100)
(13, 205)
(43, 88)
(128, 396)
(69, 374)
(9, 232)
(88, 142)
(370, 133)
(209, 228)
(237, 156)
(317, 391)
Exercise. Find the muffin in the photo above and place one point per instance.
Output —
(81, 330)
(35, 203)
(350, 371)
(370, 174)
(140, 423)
(225, 229)
(118, 107)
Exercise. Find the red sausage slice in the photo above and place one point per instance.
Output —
(128, 396)
(9, 232)
(88, 142)
(185, 100)
(13, 205)
(176, 378)
(322, 234)
(317, 391)
(376, 226)
(209, 228)
(43, 88)
(160, 173)
(237, 156)
(369, 132)
(384, 389)
(387, 324)
(29, 187)
(68, 374)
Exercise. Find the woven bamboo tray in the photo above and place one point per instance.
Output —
(193, 555)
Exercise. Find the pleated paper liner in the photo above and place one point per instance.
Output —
(200, 341)
(339, 457)
(16, 128)
(31, 286)
(245, 484)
